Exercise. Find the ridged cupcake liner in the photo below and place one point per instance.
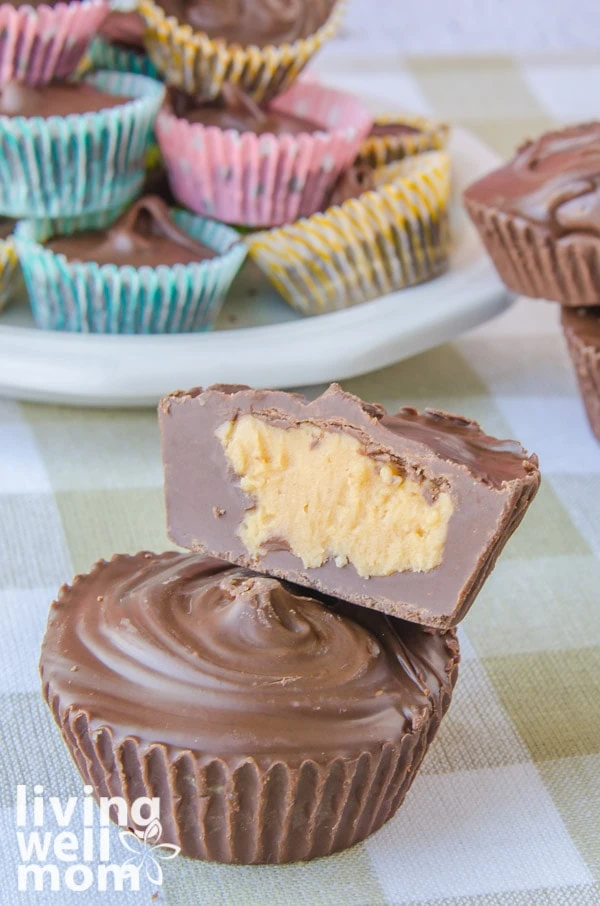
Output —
(264, 180)
(200, 65)
(379, 150)
(533, 263)
(92, 298)
(586, 361)
(48, 42)
(9, 269)
(82, 162)
(253, 809)
(385, 240)
(103, 55)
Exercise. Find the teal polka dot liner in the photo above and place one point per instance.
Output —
(75, 164)
(91, 298)
(102, 55)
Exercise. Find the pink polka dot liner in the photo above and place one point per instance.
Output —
(38, 45)
(264, 180)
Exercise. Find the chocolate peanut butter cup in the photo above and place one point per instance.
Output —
(581, 327)
(259, 45)
(74, 148)
(272, 725)
(539, 217)
(393, 138)
(377, 231)
(260, 166)
(152, 270)
(403, 513)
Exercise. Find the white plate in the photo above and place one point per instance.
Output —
(259, 340)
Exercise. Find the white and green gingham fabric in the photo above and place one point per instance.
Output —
(506, 809)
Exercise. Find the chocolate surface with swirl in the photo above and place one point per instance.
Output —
(234, 109)
(553, 182)
(198, 654)
(145, 235)
(258, 22)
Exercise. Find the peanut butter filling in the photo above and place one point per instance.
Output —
(320, 494)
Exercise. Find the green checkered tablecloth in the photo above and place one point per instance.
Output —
(506, 809)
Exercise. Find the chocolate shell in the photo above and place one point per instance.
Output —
(539, 217)
(272, 725)
(403, 513)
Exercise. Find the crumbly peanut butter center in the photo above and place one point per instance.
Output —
(319, 492)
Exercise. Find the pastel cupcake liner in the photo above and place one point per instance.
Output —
(81, 162)
(103, 55)
(379, 150)
(198, 64)
(264, 180)
(532, 262)
(9, 270)
(385, 240)
(38, 45)
(91, 298)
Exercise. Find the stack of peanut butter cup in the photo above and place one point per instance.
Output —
(276, 687)
(539, 217)
(202, 103)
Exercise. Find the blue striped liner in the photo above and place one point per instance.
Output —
(92, 298)
(103, 55)
(81, 162)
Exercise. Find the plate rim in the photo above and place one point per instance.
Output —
(43, 382)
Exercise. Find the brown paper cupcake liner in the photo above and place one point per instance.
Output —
(198, 64)
(253, 809)
(532, 263)
(586, 361)
(378, 150)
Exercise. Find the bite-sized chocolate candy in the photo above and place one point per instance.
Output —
(55, 99)
(258, 22)
(539, 216)
(403, 513)
(271, 724)
(581, 327)
(144, 235)
(234, 109)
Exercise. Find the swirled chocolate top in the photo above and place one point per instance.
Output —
(236, 110)
(55, 99)
(257, 22)
(145, 235)
(553, 182)
(198, 654)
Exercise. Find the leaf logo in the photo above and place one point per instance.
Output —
(148, 850)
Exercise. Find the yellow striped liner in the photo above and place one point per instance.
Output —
(379, 150)
(197, 64)
(389, 238)
(8, 270)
